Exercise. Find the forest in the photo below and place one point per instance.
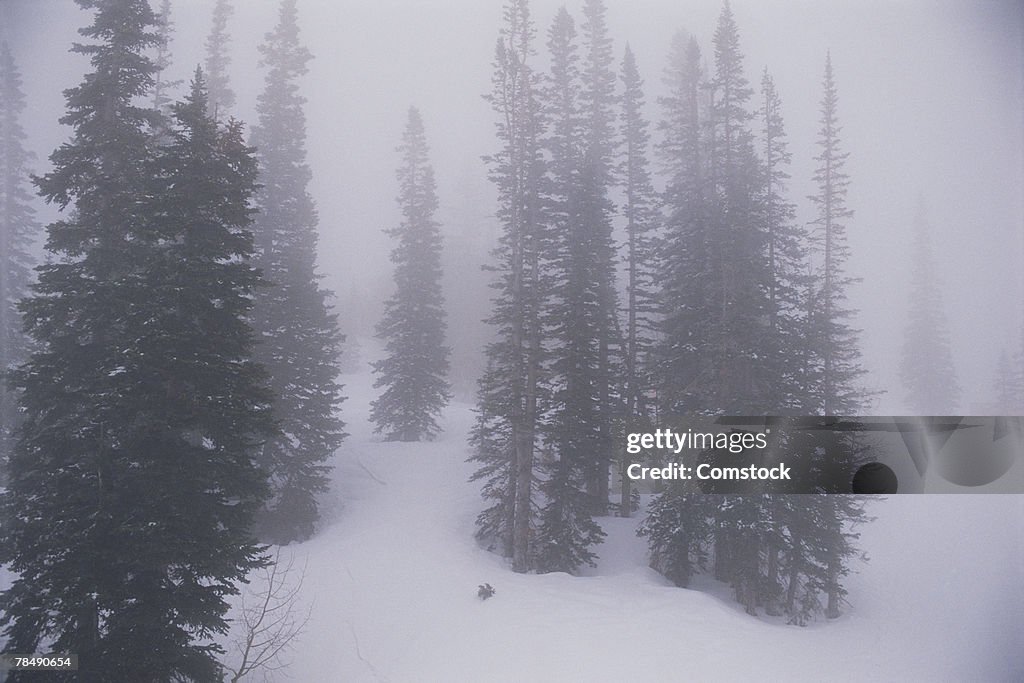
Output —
(181, 377)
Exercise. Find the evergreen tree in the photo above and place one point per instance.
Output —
(823, 525)
(718, 333)
(414, 320)
(736, 314)
(165, 34)
(511, 395)
(738, 306)
(715, 282)
(786, 242)
(218, 60)
(142, 403)
(738, 526)
(641, 257)
(566, 530)
(820, 541)
(299, 335)
(834, 341)
(71, 478)
(494, 449)
(598, 103)
(678, 529)
(678, 523)
(927, 370)
(685, 289)
(17, 228)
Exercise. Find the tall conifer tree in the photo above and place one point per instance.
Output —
(739, 271)
(834, 340)
(642, 254)
(161, 85)
(298, 333)
(685, 288)
(566, 529)
(720, 242)
(218, 60)
(511, 397)
(786, 244)
(142, 403)
(927, 370)
(677, 522)
(414, 372)
(598, 103)
(734, 297)
(70, 468)
(833, 370)
(17, 229)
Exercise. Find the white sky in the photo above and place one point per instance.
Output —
(931, 103)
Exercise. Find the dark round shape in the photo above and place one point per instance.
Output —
(874, 478)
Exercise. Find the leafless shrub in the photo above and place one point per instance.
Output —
(272, 619)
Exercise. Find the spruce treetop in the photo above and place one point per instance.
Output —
(102, 110)
(218, 58)
(413, 373)
(282, 120)
(734, 89)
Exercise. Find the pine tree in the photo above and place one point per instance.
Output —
(834, 341)
(823, 530)
(718, 333)
(599, 102)
(414, 320)
(678, 528)
(641, 257)
(678, 522)
(142, 403)
(787, 257)
(299, 335)
(715, 293)
(739, 269)
(820, 540)
(17, 229)
(927, 370)
(736, 313)
(738, 527)
(566, 529)
(218, 59)
(494, 449)
(165, 33)
(685, 290)
(511, 395)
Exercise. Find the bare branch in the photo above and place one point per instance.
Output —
(272, 618)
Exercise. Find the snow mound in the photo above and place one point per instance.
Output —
(391, 584)
(392, 579)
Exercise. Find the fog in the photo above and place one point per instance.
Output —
(931, 103)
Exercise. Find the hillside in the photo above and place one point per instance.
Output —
(392, 579)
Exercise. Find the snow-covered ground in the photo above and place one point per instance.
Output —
(392, 578)
(391, 581)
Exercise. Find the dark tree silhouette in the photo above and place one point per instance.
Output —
(415, 369)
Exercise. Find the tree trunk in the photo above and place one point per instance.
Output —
(832, 610)
(771, 603)
(794, 575)
(525, 432)
(722, 558)
(625, 490)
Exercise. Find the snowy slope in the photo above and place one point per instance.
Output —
(392, 580)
